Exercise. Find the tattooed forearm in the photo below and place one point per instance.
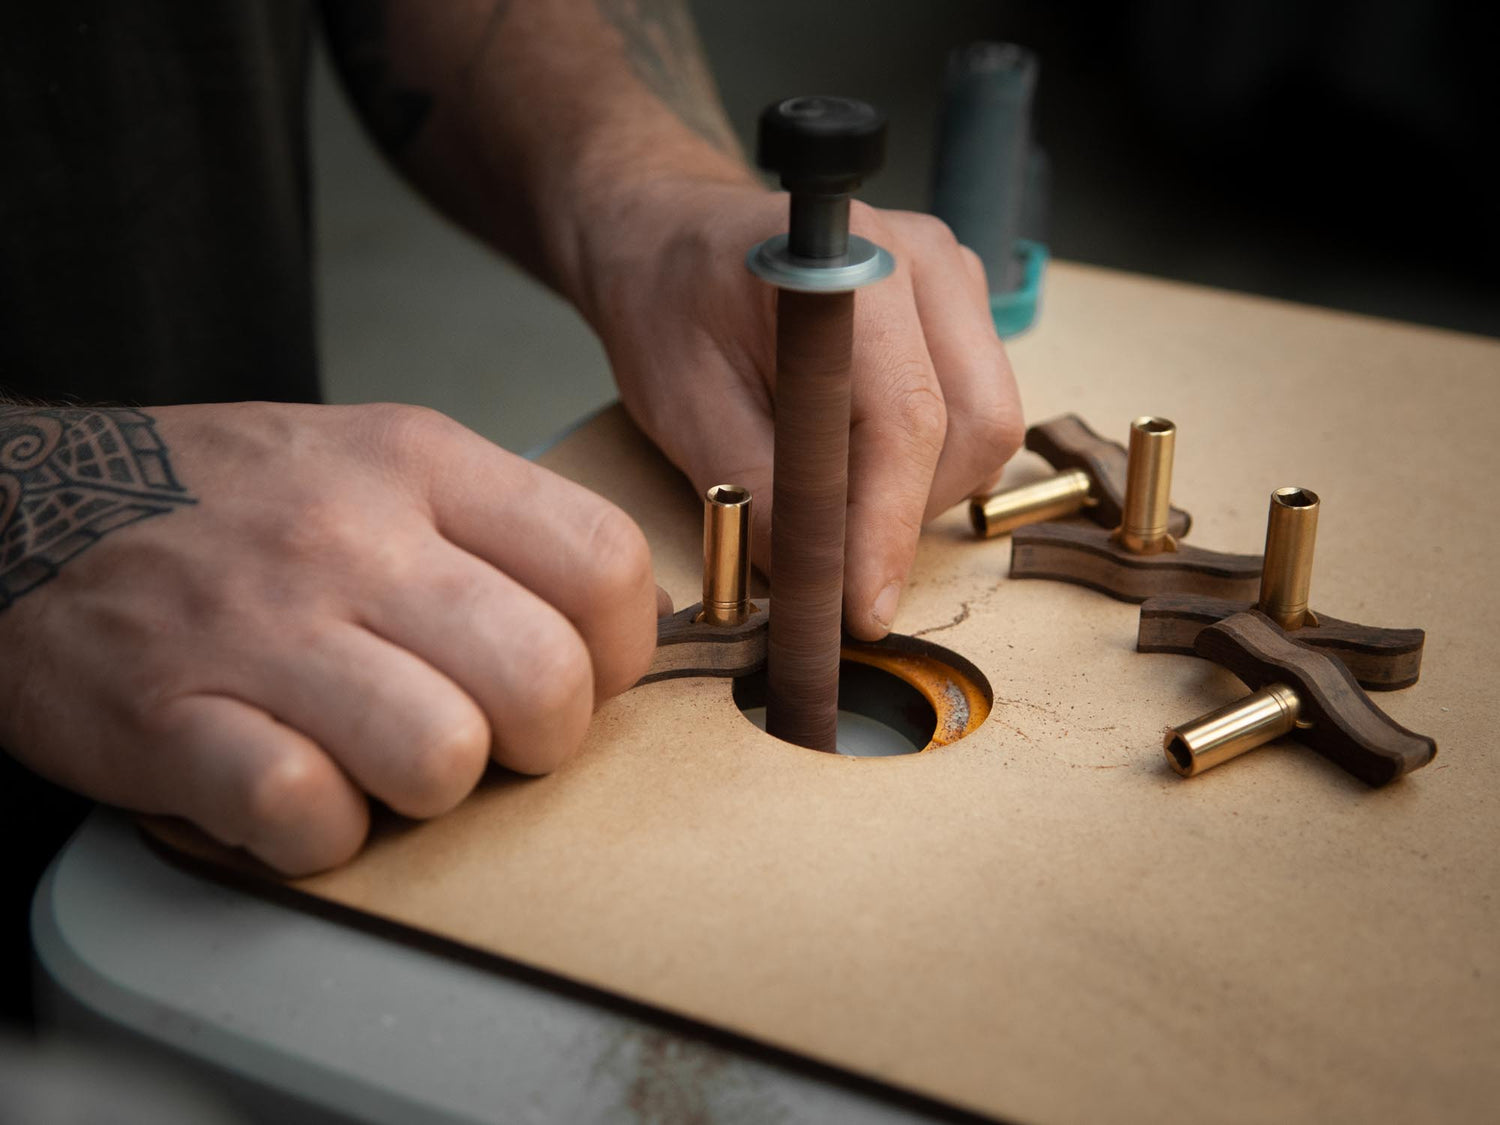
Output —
(356, 31)
(68, 477)
(665, 54)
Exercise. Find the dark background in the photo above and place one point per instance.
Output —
(1329, 153)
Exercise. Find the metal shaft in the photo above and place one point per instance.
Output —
(1286, 577)
(726, 555)
(818, 229)
(814, 347)
(1148, 487)
(1048, 499)
(1230, 731)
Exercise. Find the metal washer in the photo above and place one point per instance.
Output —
(865, 264)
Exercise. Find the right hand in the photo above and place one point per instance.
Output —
(364, 600)
(935, 413)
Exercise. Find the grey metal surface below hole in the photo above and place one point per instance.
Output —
(880, 714)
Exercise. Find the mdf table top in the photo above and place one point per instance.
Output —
(1041, 922)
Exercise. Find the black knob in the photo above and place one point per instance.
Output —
(821, 144)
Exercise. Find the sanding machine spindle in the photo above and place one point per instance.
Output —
(822, 148)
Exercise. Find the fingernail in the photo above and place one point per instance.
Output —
(884, 609)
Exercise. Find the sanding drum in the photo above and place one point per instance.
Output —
(822, 148)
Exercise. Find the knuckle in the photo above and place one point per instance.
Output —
(924, 414)
(559, 700)
(1001, 431)
(984, 446)
(563, 676)
(397, 436)
(919, 228)
(315, 528)
(286, 796)
(402, 425)
(972, 262)
(994, 418)
(932, 229)
(158, 714)
(620, 559)
(444, 766)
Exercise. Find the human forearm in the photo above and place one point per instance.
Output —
(537, 122)
(583, 136)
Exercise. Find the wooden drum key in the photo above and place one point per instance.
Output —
(1141, 556)
(1300, 691)
(1380, 659)
(1090, 481)
(725, 633)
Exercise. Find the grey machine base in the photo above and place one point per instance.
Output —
(294, 1017)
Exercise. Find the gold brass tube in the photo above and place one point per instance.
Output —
(726, 555)
(1291, 534)
(1148, 487)
(1048, 499)
(1214, 738)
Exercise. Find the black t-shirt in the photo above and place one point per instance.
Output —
(154, 227)
(154, 249)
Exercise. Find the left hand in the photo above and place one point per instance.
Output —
(691, 336)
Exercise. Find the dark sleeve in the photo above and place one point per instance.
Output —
(154, 228)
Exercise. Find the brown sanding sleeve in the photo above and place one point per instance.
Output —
(814, 346)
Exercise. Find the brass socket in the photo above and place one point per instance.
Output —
(1216, 737)
(1148, 487)
(1286, 576)
(1048, 499)
(726, 555)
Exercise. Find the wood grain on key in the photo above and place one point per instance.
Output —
(686, 646)
(1079, 552)
(1380, 659)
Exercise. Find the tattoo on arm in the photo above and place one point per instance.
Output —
(662, 46)
(356, 35)
(70, 476)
